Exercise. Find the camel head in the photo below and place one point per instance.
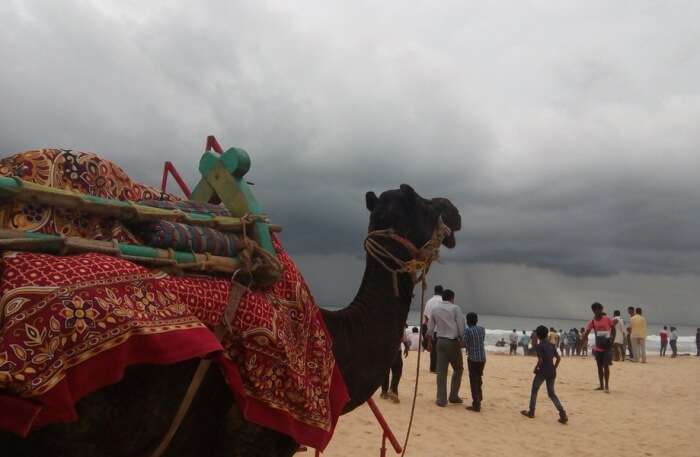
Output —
(411, 215)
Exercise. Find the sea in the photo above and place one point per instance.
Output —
(498, 327)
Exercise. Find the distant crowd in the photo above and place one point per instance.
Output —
(570, 343)
(630, 336)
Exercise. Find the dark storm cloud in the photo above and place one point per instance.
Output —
(604, 228)
(566, 134)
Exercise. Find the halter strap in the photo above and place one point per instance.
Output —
(420, 258)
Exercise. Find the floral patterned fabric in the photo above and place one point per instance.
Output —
(72, 170)
(280, 363)
(70, 325)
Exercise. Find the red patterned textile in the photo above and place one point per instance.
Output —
(71, 325)
(78, 171)
(280, 363)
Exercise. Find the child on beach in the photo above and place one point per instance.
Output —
(545, 371)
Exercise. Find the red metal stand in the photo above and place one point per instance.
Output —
(212, 144)
(170, 168)
(387, 434)
(386, 430)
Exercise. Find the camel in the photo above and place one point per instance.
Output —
(129, 418)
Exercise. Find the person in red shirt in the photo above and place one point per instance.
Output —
(663, 335)
(604, 330)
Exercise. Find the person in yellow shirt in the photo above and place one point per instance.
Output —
(638, 335)
(553, 337)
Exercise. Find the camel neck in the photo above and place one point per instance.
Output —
(367, 333)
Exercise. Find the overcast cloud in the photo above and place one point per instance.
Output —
(566, 132)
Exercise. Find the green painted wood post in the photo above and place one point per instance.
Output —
(222, 179)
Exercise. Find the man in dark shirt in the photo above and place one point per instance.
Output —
(474, 336)
(430, 341)
(630, 311)
(545, 371)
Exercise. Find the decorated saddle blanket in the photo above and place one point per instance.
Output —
(70, 325)
(77, 171)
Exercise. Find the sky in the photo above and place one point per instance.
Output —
(565, 132)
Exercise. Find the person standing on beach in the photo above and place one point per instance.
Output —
(524, 342)
(390, 389)
(447, 322)
(533, 342)
(663, 341)
(630, 312)
(584, 342)
(638, 331)
(545, 371)
(474, 336)
(570, 342)
(562, 342)
(674, 342)
(577, 342)
(513, 338)
(553, 337)
(604, 330)
(619, 341)
(697, 342)
(428, 337)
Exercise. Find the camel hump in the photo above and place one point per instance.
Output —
(78, 171)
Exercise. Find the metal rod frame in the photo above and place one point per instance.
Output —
(170, 168)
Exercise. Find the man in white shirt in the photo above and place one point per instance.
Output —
(447, 322)
(428, 337)
(673, 339)
(413, 338)
(513, 343)
(620, 337)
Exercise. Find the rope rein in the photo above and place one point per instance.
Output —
(424, 286)
(418, 267)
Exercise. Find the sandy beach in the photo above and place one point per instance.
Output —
(652, 410)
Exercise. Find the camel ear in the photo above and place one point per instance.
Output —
(409, 194)
(371, 200)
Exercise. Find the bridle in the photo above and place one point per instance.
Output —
(419, 263)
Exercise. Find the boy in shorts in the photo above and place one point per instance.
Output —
(545, 371)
